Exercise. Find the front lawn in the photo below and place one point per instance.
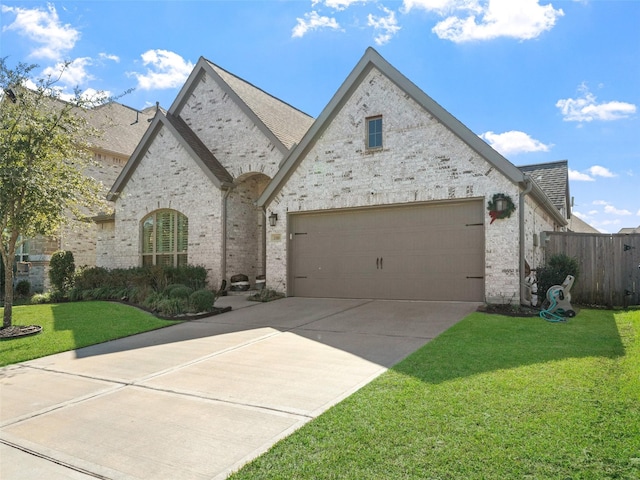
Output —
(494, 397)
(67, 326)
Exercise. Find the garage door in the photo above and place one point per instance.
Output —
(417, 252)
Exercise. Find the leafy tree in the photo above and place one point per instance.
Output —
(44, 148)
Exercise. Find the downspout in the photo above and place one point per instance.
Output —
(528, 187)
(223, 262)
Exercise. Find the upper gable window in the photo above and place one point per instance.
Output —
(374, 132)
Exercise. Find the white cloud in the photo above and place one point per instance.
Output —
(339, 4)
(488, 19)
(600, 202)
(514, 142)
(388, 26)
(442, 6)
(107, 56)
(73, 74)
(638, 214)
(313, 21)
(598, 171)
(585, 108)
(165, 70)
(43, 27)
(611, 210)
(579, 177)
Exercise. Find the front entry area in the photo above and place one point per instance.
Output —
(429, 251)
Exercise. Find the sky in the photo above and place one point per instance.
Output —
(540, 81)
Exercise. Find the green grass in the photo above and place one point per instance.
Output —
(492, 398)
(67, 326)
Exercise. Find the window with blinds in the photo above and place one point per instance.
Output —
(165, 238)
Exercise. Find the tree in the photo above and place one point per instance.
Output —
(44, 147)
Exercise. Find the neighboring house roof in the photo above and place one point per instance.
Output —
(187, 138)
(283, 124)
(629, 231)
(373, 59)
(553, 178)
(120, 127)
(580, 226)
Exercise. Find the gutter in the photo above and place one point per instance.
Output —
(223, 260)
(528, 187)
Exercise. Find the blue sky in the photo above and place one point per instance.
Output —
(540, 81)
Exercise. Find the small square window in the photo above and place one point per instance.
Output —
(374, 132)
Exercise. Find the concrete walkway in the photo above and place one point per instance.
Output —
(200, 399)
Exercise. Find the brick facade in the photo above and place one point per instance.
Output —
(421, 161)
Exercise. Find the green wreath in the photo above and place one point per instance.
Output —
(494, 213)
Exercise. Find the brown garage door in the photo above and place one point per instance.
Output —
(417, 252)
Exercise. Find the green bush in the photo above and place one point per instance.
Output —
(40, 298)
(555, 272)
(23, 288)
(153, 299)
(202, 301)
(156, 277)
(180, 291)
(61, 270)
(171, 306)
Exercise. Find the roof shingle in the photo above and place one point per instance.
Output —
(287, 123)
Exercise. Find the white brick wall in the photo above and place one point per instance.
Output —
(421, 161)
(167, 177)
(232, 137)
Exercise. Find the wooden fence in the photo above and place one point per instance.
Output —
(609, 266)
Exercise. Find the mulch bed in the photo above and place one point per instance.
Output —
(18, 331)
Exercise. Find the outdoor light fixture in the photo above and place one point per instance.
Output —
(273, 218)
(501, 204)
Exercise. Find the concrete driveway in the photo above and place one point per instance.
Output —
(200, 399)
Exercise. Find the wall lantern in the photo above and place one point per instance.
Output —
(273, 218)
(501, 204)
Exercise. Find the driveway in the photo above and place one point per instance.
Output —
(200, 399)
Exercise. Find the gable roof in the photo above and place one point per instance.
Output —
(283, 124)
(553, 178)
(187, 138)
(578, 225)
(370, 60)
(121, 127)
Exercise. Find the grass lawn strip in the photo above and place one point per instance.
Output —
(67, 326)
(492, 398)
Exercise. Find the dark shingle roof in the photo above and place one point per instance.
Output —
(553, 179)
(120, 127)
(200, 149)
(287, 123)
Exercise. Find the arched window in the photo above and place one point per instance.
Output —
(165, 236)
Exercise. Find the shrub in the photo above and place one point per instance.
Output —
(61, 270)
(152, 300)
(56, 296)
(180, 291)
(91, 277)
(202, 301)
(555, 271)
(171, 306)
(23, 288)
(40, 298)
(266, 295)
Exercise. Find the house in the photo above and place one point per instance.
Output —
(384, 195)
(629, 231)
(121, 128)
